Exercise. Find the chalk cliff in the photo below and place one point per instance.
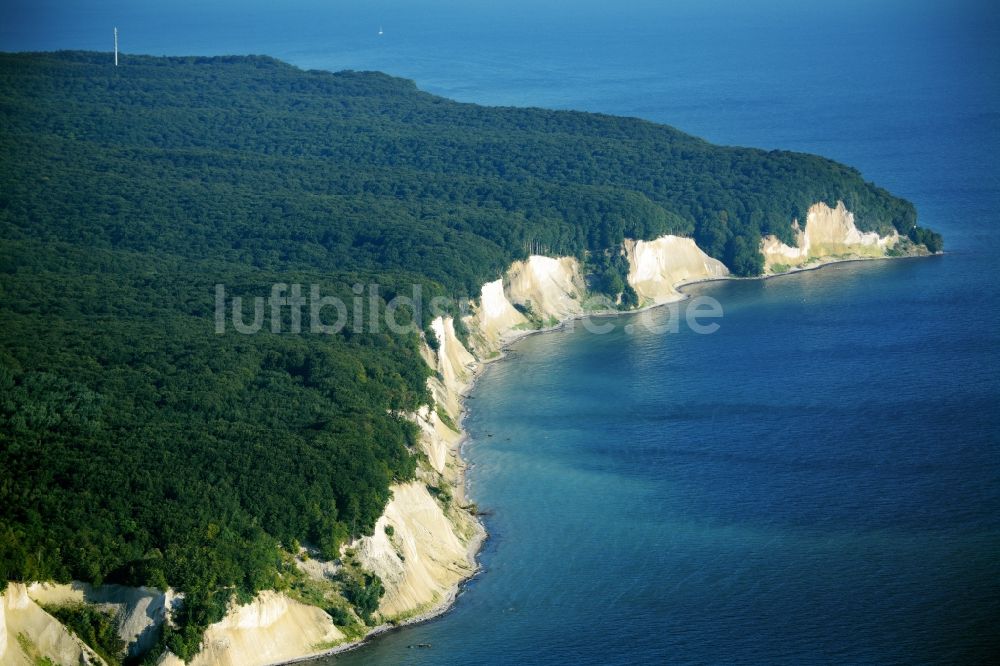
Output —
(550, 288)
(28, 634)
(829, 233)
(656, 267)
(271, 629)
(495, 317)
(426, 555)
(140, 611)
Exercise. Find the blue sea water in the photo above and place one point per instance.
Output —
(816, 482)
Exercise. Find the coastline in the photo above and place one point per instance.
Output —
(476, 372)
(505, 335)
(792, 271)
(555, 293)
(444, 607)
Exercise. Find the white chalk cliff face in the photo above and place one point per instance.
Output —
(453, 363)
(22, 619)
(829, 232)
(424, 559)
(549, 289)
(140, 611)
(553, 289)
(432, 546)
(657, 267)
(269, 630)
(495, 318)
(437, 440)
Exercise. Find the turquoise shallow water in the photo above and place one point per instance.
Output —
(818, 481)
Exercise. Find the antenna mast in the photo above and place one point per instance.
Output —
(116, 46)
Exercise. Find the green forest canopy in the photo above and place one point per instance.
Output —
(138, 446)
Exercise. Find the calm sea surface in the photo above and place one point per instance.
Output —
(817, 481)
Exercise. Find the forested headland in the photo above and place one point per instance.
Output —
(136, 444)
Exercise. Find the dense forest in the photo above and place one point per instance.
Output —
(139, 446)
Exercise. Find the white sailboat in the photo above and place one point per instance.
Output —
(380, 31)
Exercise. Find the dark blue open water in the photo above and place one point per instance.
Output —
(818, 481)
